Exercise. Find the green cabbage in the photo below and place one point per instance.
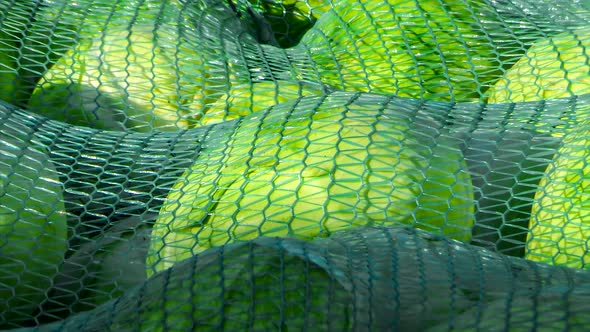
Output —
(160, 69)
(309, 167)
(33, 228)
(555, 67)
(559, 224)
(421, 49)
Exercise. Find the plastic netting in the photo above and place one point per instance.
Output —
(289, 165)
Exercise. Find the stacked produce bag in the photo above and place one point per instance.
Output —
(294, 165)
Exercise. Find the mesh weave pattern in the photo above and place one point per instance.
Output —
(294, 165)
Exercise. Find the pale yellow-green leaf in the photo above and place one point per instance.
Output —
(157, 70)
(427, 49)
(117, 81)
(560, 222)
(299, 169)
(556, 67)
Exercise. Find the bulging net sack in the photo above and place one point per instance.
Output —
(289, 165)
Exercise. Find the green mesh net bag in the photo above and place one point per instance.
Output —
(273, 165)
